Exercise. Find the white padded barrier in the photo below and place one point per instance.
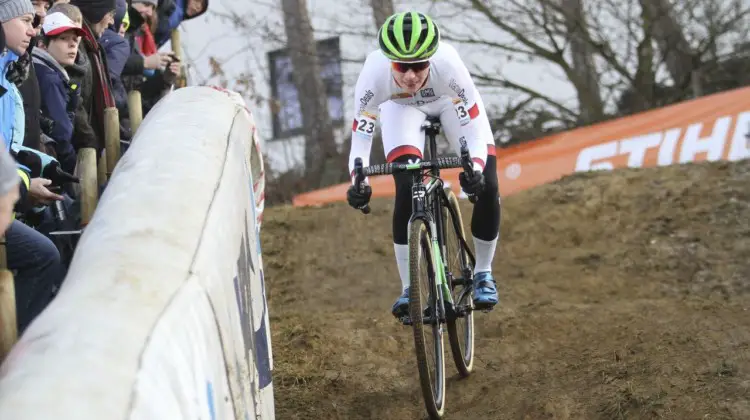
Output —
(163, 313)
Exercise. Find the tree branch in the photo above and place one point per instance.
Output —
(534, 94)
(555, 57)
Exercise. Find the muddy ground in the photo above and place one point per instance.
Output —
(624, 295)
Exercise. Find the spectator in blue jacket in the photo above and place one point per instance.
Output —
(33, 257)
(16, 17)
(59, 47)
(172, 13)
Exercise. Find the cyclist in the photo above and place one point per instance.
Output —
(411, 76)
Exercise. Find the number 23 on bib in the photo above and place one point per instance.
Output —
(364, 124)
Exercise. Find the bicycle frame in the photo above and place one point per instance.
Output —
(427, 204)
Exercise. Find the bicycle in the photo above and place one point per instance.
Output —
(449, 284)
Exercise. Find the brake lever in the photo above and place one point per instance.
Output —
(468, 169)
(359, 181)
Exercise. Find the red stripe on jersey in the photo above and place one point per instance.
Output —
(479, 162)
(474, 111)
(354, 125)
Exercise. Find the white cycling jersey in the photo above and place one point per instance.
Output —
(448, 93)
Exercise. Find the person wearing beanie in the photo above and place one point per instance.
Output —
(99, 14)
(33, 256)
(16, 17)
(9, 179)
(95, 83)
(12, 9)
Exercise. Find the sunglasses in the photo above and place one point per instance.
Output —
(404, 67)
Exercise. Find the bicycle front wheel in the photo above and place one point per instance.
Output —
(460, 322)
(424, 314)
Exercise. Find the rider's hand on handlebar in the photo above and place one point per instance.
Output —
(473, 184)
(358, 199)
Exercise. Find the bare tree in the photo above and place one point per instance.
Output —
(321, 154)
(583, 69)
(381, 9)
(677, 53)
(624, 55)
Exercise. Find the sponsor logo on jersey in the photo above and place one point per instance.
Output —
(427, 93)
(461, 92)
(363, 101)
(412, 101)
(402, 95)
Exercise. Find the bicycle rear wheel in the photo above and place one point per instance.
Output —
(460, 322)
(428, 331)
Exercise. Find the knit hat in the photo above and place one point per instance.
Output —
(11, 9)
(94, 10)
(154, 3)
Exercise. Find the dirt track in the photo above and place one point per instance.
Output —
(623, 296)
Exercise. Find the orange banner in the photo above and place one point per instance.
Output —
(709, 128)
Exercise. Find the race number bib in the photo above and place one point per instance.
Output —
(461, 112)
(364, 125)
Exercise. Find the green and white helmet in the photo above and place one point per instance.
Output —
(408, 37)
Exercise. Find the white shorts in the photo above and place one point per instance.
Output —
(402, 133)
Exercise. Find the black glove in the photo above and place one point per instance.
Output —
(472, 185)
(358, 199)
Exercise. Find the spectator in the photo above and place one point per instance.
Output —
(9, 188)
(157, 82)
(30, 254)
(83, 133)
(29, 88)
(94, 81)
(140, 64)
(172, 13)
(145, 39)
(16, 17)
(59, 47)
(117, 50)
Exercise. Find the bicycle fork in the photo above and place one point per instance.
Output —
(419, 193)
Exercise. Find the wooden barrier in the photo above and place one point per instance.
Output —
(8, 317)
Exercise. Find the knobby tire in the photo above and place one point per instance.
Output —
(420, 253)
